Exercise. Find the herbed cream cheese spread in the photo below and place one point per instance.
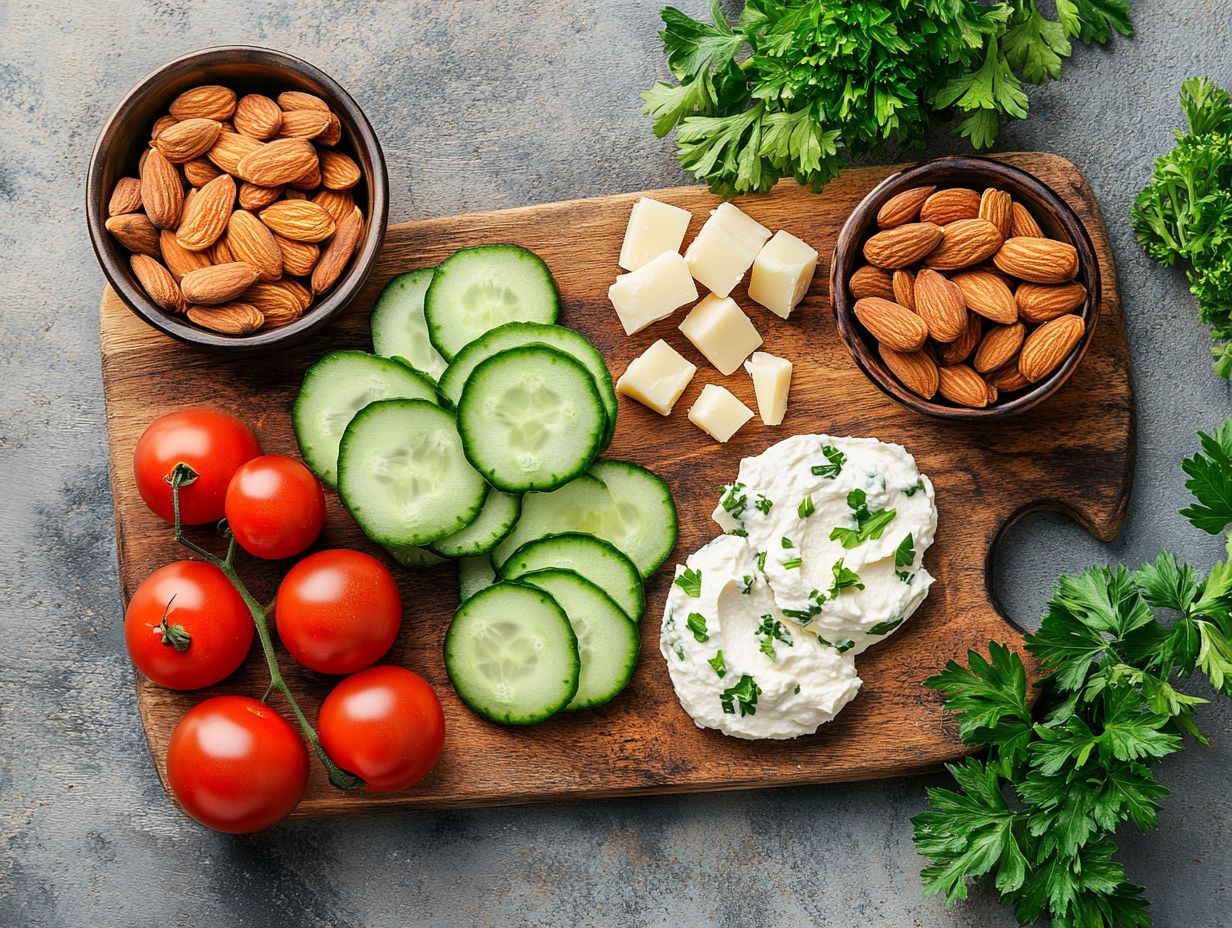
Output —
(824, 548)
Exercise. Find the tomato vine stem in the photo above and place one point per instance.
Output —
(182, 475)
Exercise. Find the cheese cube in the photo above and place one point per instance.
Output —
(657, 377)
(653, 292)
(718, 413)
(782, 273)
(653, 228)
(720, 330)
(725, 249)
(771, 382)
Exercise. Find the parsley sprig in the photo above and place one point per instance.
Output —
(1038, 815)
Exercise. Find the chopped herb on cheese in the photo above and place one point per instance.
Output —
(691, 582)
(743, 693)
(697, 625)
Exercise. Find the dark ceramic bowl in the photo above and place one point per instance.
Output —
(1052, 213)
(245, 69)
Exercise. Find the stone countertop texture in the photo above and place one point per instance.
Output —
(483, 106)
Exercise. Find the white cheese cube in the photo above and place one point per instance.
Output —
(720, 330)
(653, 292)
(718, 413)
(657, 377)
(653, 228)
(771, 382)
(782, 273)
(725, 249)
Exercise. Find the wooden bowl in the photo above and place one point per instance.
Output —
(245, 69)
(1052, 213)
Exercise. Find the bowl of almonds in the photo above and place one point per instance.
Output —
(966, 288)
(237, 199)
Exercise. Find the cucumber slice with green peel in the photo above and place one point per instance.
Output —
(335, 389)
(477, 289)
(517, 334)
(512, 654)
(581, 505)
(530, 419)
(642, 523)
(606, 638)
(413, 557)
(403, 476)
(474, 574)
(399, 329)
(495, 521)
(594, 559)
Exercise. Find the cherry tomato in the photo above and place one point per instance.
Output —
(275, 506)
(338, 611)
(236, 765)
(205, 617)
(385, 725)
(210, 442)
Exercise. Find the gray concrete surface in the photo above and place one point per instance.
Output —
(484, 105)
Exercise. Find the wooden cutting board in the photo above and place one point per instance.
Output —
(1074, 454)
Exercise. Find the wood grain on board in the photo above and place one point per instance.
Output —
(1074, 454)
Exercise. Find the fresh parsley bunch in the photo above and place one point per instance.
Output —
(1039, 812)
(1185, 213)
(795, 87)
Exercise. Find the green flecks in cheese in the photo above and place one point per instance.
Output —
(793, 563)
(744, 694)
(763, 505)
(691, 582)
(806, 507)
(770, 631)
(697, 625)
(786, 542)
(679, 651)
(717, 662)
(904, 556)
(884, 628)
(844, 578)
(733, 500)
(748, 584)
(836, 458)
(914, 488)
(869, 525)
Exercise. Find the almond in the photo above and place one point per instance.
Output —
(965, 242)
(902, 245)
(209, 101)
(903, 207)
(997, 207)
(338, 171)
(162, 194)
(1023, 224)
(310, 180)
(332, 134)
(219, 252)
(278, 162)
(135, 232)
(298, 100)
(940, 304)
(187, 140)
(1009, 378)
(178, 259)
(277, 304)
(205, 218)
(251, 241)
(257, 116)
(915, 370)
(338, 252)
(298, 258)
(303, 124)
(339, 203)
(1038, 260)
(290, 193)
(946, 206)
(161, 123)
(218, 283)
(993, 393)
(960, 384)
(960, 350)
(987, 294)
(1041, 302)
(891, 324)
(865, 281)
(230, 148)
(903, 284)
(125, 198)
(296, 289)
(999, 347)
(231, 319)
(157, 282)
(299, 220)
(1049, 345)
(199, 171)
(254, 197)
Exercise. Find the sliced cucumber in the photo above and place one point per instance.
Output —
(477, 289)
(606, 638)
(530, 419)
(474, 574)
(581, 505)
(594, 559)
(643, 520)
(403, 476)
(414, 557)
(516, 334)
(495, 521)
(512, 655)
(334, 390)
(399, 329)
